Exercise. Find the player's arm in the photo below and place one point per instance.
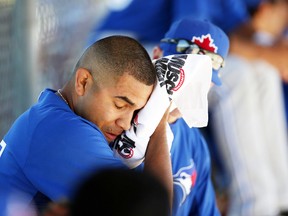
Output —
(157, 158)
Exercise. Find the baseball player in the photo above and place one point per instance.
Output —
(64, 137)
(193, 189)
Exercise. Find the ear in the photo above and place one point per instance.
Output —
(83, 79)
(157, 52)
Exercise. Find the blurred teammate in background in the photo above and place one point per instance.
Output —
(193, 189)
(252, 139)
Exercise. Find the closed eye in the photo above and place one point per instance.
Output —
(119, 107)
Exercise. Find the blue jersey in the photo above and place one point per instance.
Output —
(285, 88)
(49, 150)
(193, 189)
(152, 26)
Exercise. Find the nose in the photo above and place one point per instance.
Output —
(125, 121)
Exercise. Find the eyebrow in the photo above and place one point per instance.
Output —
(124, 98)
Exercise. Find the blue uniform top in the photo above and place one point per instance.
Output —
(193, 190)
(152, 26)
(49, 149)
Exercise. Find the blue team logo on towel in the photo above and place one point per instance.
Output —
(185, 178)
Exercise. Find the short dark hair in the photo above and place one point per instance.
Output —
(115, 55)
(121, 192)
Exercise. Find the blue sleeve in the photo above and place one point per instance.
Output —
(61, 162)
(205, 201)
(193, 189)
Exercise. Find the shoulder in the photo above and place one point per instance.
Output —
(53, 127)
(181, 131)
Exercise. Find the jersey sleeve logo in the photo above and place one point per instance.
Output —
(2, 147)
(185, 178)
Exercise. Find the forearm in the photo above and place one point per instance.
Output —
(157, 159)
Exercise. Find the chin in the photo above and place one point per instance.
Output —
(109, 140)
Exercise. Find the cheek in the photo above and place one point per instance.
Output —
(103, 116)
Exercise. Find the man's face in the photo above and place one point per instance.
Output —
(112, 107)
(271, 17)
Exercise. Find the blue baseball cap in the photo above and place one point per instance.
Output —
(203, 33)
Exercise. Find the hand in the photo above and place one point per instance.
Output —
(174, 115)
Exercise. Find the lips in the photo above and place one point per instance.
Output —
(110, 137)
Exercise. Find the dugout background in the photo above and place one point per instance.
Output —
(40, 41)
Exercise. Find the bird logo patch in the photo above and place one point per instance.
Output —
(185, 179)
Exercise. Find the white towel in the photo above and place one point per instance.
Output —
(186, 80)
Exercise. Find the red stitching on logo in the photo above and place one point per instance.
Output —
(181, 80)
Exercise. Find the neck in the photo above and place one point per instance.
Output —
(59, 92)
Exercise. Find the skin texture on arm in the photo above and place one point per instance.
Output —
(157, 159)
